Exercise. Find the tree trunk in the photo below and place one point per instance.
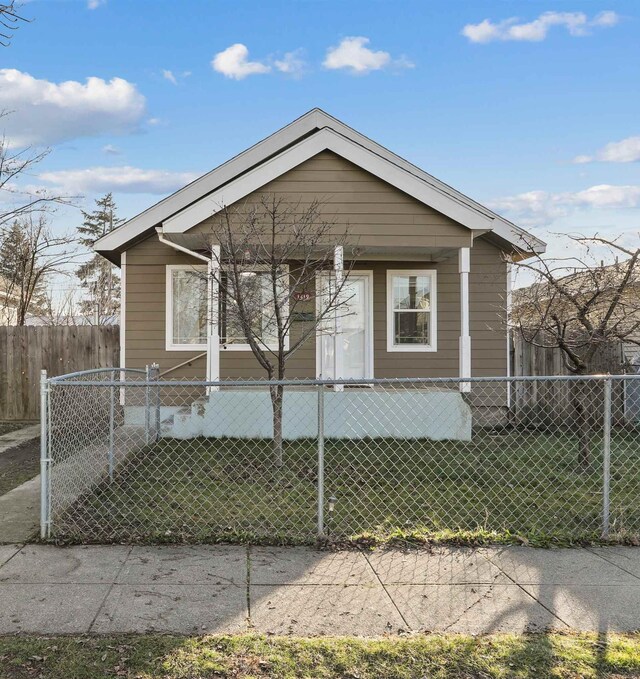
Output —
(582, 404)
(277, 397)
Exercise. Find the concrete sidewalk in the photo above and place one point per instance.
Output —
(214, 589)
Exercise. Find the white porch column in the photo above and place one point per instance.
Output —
(338, 344)
(213, 331)
(464, 345)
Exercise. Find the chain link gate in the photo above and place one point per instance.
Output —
(127, 456)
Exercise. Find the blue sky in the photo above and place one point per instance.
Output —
(500, 109)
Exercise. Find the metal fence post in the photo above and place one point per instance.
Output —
(147, 404)
(155, 370)
(44, 458)
(606, 457)
(112, 413)
(320, 461)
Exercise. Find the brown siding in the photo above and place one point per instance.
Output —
(377, 214)
(145, 320)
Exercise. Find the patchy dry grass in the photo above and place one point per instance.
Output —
(500, 487)
(533, 656)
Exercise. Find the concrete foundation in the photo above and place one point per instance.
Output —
(350, 414)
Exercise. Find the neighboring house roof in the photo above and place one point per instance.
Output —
(307, 136)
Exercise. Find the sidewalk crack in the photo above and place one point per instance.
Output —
(527, 592)
(613, 563)
(386, 591)
(111, 586)
(249, 623)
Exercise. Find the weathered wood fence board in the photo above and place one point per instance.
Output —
(25, 351)
(547, 402)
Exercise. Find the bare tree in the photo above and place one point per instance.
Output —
(268, 257)
(581, 304)
(62, 309)
(17, 202)
(29, 255)
(10, 21)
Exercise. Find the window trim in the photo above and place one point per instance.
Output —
(258, 268)
(433, 330)
(169, 344)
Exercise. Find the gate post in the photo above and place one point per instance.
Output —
(45, 519)
(155, 373)
(147, 405)
(112, 413)
(320, 493)
(606, 457)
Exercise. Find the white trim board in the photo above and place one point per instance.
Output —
(325, 140)
(311, 123)
(168, 329)
(355, 273)
(433, 318)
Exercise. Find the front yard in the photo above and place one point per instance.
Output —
(535, 656)
(499, 487)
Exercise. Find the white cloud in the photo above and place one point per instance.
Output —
(353, 55)
(624, 151)
(234, 63)
(94, 4)
(124, 179)
(45, 112)
(537, 208)
(174, 78)
(576, 23)
(111, 150)
(292, 63)
(168, 75)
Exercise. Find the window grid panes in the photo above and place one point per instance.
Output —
(411, 299)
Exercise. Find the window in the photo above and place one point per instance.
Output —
(257, 296)
(186, 307)
(411, 310)
(186, 323)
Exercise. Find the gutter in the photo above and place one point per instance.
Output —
(180, 248)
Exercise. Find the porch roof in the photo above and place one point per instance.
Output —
(361, 251)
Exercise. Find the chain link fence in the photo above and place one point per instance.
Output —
(129, 457)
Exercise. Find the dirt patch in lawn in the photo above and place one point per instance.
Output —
(19, 464)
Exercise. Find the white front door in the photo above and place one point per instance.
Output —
(356, 324)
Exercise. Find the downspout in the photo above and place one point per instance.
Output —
(180, 248)
(213, 334)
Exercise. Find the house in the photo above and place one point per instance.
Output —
(414, 232)
(8, 303)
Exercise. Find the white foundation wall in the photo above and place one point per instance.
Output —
(350, 414)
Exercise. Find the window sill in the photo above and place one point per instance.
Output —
(413, 349)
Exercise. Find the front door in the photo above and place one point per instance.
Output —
(356, 330)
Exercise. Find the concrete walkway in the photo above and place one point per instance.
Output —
(20, 507)
(15, 438)
(214, 589)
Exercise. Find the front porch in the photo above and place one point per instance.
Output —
(390, 328)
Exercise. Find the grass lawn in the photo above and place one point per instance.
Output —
(146, 657)
(499, 487)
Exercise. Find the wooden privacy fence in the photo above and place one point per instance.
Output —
(25, 351)
(551, 402)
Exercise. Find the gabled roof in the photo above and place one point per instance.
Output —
(310, 134)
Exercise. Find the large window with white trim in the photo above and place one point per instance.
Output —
(411, 310)
(186, 323)
(255, 291)
(186, 307)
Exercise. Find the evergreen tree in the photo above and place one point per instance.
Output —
(98, 276)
